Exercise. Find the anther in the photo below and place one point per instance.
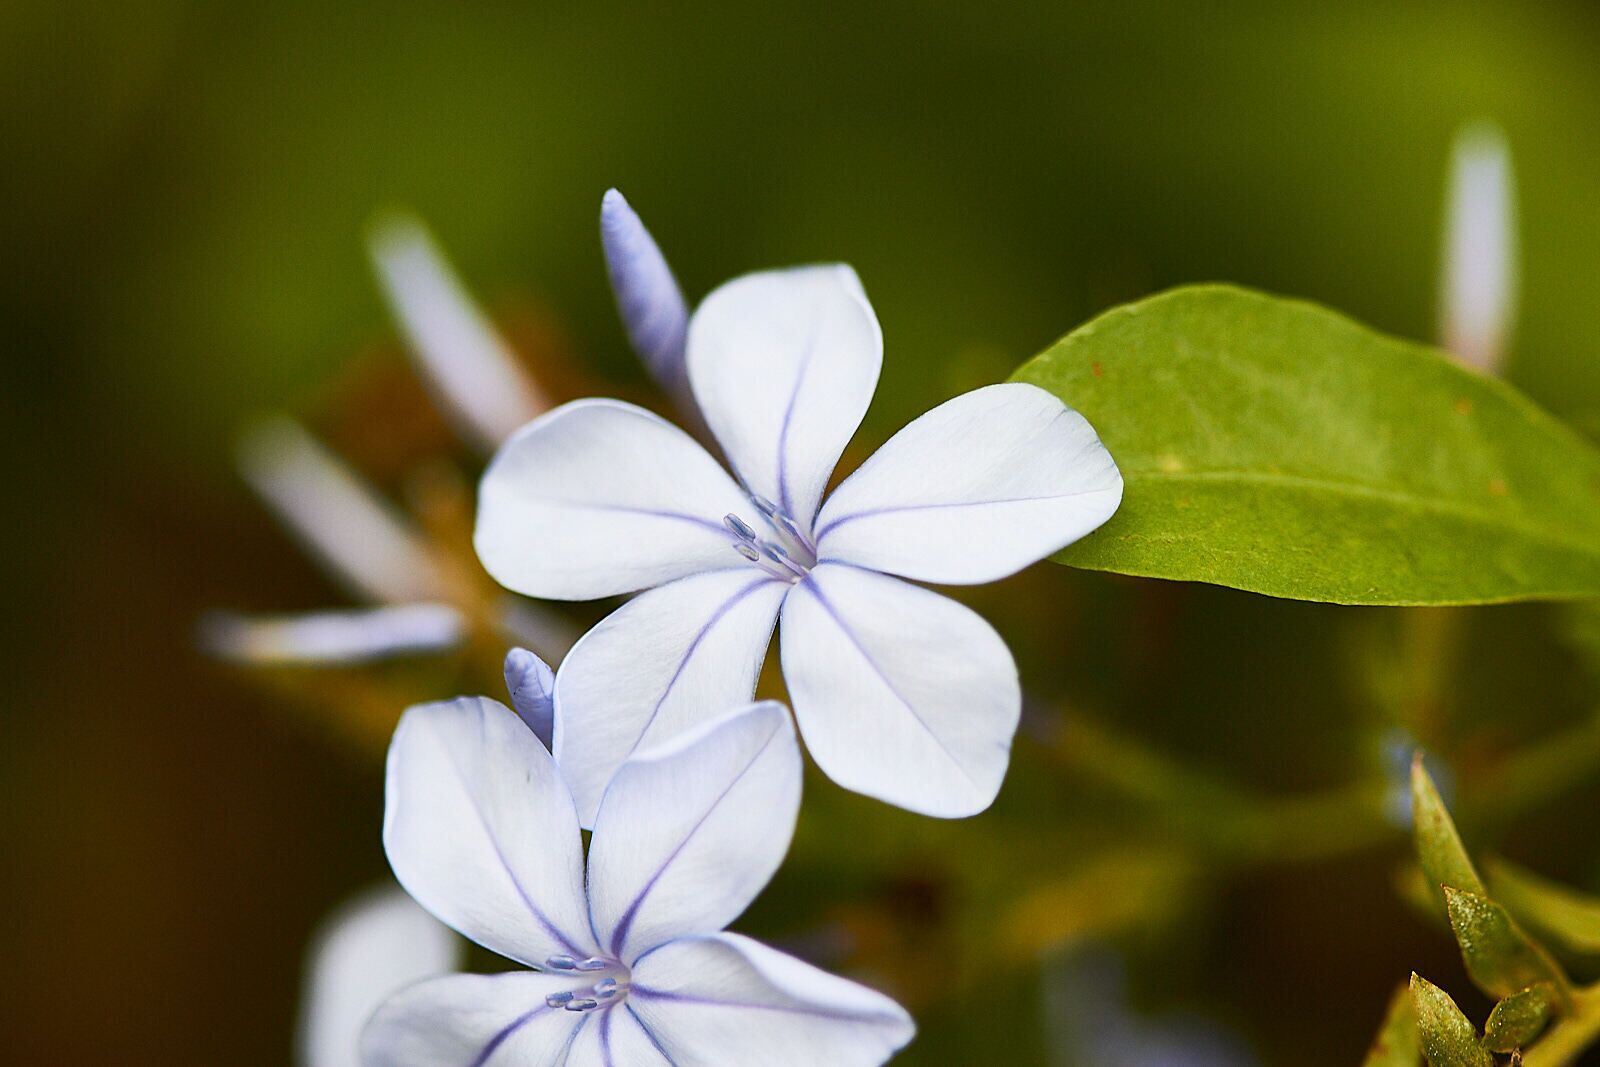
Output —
(556, 1000)
(606, 988)
(561, 963)
(765, 506)
(739, 526)
(747, 552)
(585, 1004)
(594, 963)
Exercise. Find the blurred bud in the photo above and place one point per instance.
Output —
(648, 298)
(337, 516)
(332, 637)
(1478, 293)
(472, 372)
(1091, 1024)
(371, 947)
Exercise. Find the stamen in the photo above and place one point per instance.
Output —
(763, 505)
(594, 963)
(739, 526)
(556, 1000)
(747, 552)
(606, 988)
(585, 1004)
(561, 963)
(777, 555)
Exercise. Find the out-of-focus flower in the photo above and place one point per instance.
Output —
(631, 965)
(1478, 292)
(370, 948)
(901, 693)
(1091, 1024)
(470, 369)
(381, 558)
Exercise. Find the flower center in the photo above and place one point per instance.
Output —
(784, 552)
(601, 983)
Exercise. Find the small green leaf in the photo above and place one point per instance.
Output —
(1566, 916)
(1448, 1038)
(1398, 1044)
(1517, 1019)
(1444, 858)
(1275, 446)
(1499, 956)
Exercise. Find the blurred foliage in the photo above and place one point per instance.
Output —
(1200, 770)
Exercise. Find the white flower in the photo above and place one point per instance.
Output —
(1478, 293)
(901, 693)
(367, 950)
(633, 968)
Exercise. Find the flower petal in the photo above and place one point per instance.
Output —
(725, 1001)
(783, 365)
(690, 831)
(901, 694)
(648, 298)
(369, 948)
(532, 685)
(616, 1038)
(473, 1020)
(477, 380)
(600, 497)
(663, 662)
(480, 830)
(974, 490)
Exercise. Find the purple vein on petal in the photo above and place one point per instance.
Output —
(619, 934)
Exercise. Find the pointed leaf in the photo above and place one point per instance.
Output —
(1448, 1038)
(1398, 1043)
(1275, 446)
(1499, 956)
(1444, 859)
(1566, 916)
(1517, 1020)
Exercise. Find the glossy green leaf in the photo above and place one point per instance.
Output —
(1398, 1044)
(1276, 446)
(1517, 1019)
(1499, 956)
(1448, 1038)
(1444, 859)
(1567, 917)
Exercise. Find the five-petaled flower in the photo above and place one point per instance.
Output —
(632, 969)
(901, 693)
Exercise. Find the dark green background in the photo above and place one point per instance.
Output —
(181, 214)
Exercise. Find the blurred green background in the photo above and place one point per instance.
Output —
(185, 195)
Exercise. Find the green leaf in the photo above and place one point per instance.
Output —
(1398, 1044)
(1499, 956)
(1275, 446)
(1444, 858)
(1448, 1038)
(1566, 916)
(1517, 1019)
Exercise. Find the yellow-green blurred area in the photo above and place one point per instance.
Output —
(1198, 796)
